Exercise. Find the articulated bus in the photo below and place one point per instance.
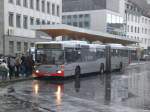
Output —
(67, 58)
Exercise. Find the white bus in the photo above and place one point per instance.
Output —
(67, 58)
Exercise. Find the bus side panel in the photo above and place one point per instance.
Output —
(86, 67)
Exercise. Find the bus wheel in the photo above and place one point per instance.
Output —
(102, 69)
(77, 72)
(121, 66)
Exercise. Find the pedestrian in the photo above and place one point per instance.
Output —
(11, 66)
(4, 70)
(17, 66)
(23, 65)
(29, 65)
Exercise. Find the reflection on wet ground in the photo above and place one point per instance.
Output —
(116, 92)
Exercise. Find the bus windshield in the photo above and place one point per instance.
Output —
(50, 56)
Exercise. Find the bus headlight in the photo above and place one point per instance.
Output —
(37, 71)
(59, 72)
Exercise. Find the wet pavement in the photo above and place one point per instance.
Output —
(127, 91)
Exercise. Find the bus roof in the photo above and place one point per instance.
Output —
(118, 46)
(76, 43)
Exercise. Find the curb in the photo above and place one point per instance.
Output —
(7, 82)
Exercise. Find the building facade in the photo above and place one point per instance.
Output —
(100, 15)
(138, 24)
(99, 20)
(16, 18)
(119, 17)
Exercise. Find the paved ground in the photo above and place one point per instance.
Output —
(119, 92)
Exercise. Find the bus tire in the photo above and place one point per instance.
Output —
(120, 66)
(77, 72)
(102, 69)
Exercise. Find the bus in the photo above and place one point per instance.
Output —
(68, 58)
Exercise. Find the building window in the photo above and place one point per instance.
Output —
(132, 17)
(145, 41)
(108, 18)
(25, 22)
(136, 19)
(142, 30)
(113, 19)
(58, 10)
(128, 17)
(38, 21)
(11, 47)
(74, 18)
(43, 22)
(18, 46)
(48, 22)
(48, 7)
(145, 21)
(32, 45)
(31, 21)
(80, 24)
(138, 30)
(25, 3)
(75, 24)
(128, 30)
(135, 30)
(25, 46)
(18, 2)
(18, 20)
(11, 1)
(11, 19)
(38, 5)
(87, 17)
(31, 4)
(53, 9)
(145, 31)
(43, 6)
(86, 24)
(131, 28)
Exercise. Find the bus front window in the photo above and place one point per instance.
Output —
(50, 57)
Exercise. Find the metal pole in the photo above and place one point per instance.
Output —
(3, 44)
(108, 75)
(108, 59)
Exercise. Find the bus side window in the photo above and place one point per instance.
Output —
(100, 53)
(72, 55)
(68, 55)
(77, 56)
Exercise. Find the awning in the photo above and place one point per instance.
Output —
(80, 33)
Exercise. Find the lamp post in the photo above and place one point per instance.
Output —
(3, 44)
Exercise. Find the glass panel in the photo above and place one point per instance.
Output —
(50, 56)
(108, 18)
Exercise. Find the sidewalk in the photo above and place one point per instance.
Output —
(13, 80)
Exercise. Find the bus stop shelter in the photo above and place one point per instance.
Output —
(80, 33)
